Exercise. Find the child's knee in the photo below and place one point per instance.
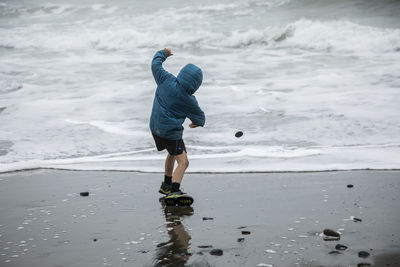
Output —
(184, 163)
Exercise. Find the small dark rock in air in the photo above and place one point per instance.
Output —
(246, 232)
(356, 219)
(216, 252)
(240, 239)
(94, 239)
(239, 134)
(84, 194)
(340, 247)
(330, 232)
(350, 186)
(207, 218)
(363, 254)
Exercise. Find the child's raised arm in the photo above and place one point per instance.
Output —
(159, 73)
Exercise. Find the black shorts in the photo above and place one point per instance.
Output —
(174, 147)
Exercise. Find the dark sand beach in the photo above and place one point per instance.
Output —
(263, 219)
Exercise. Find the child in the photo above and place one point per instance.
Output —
(173, 103)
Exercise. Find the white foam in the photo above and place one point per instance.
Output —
(326, 159)
(340, 35)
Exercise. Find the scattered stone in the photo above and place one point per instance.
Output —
(216, 252)
(334, 252)
(363, 254)
(330, 232)
(246, 232)
(340, 247)
(241, 239)
(350, 186)
(362, 264)
(239, 134)
(84, 194)
(205, 246)
(356, 219)
(207, 218)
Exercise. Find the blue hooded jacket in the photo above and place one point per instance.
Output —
(174, 100)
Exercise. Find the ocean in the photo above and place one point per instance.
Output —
(313, 84)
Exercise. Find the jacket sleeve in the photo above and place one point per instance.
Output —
(159, 73)
(196, 115)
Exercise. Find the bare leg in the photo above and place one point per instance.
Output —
(183, 163)
(169, 165)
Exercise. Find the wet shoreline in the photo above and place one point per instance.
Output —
(264, 219)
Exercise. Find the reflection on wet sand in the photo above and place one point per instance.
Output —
(175, 251)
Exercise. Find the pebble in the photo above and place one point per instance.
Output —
(216, 252)
(84, 194)
(241, 239)
(350, 186)
(356, 219)
(340, 247)
(207, 218)
(246, 232)
(330, 232)
(239, 134)
(204, 246)
(363, 254)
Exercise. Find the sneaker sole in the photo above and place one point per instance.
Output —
(180, 201)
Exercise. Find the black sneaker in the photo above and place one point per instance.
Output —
(165, 188)
(178, 198)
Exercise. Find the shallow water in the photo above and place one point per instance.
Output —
(312, 84)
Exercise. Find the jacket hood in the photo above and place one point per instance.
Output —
(190, 77)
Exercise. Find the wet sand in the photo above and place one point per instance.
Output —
(265, 219)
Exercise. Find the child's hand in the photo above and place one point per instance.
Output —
(168, 51)
(192, 125)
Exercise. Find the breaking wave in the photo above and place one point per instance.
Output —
(303, 34)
